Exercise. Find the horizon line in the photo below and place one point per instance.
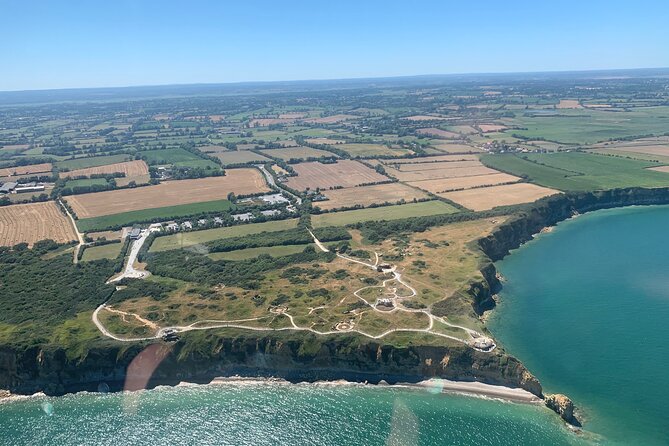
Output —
(363, 78)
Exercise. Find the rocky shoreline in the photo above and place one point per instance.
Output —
(305, 358)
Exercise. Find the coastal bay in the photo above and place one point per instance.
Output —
(585, 308)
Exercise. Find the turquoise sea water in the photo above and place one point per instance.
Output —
(586, 308)
(276, 414)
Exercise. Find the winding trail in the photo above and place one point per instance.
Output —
(80, 236)
(210, 324)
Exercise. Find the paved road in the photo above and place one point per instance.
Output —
(80, 236)
(270, 180)
(130, 271)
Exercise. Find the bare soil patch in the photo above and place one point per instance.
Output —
(29, 223)
(240, 181)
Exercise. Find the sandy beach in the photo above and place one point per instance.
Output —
(435, 385)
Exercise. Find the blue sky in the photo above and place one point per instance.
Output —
(65, 44)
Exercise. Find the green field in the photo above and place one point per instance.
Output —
(250, 253)
(148, 215)
(590, 126)
(92, 161)
(397, 212)
(184, 239)
(578, 171)
(86, 182)
(109, 251)
(234, 157)
(177, 157)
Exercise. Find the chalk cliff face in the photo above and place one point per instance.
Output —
(305, 359)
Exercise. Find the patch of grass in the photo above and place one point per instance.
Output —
(590, 126)
(109, 251)
(578, 171)
(86, 182)
(147, 215)
(383, 213)
(185, 239)
(250, 253)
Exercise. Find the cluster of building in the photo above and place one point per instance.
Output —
(11, 187)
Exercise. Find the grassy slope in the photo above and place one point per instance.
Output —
(383, 213)
(164, 213)
(184, 239)
(249, 253)
(575, 171)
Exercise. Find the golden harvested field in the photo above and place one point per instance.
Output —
(297, 153)
(138, 179)
(419, 118)
(29, 223)
(430, 159)
(441, 185)
(293, 115)
(454, 169)
(652, 149)
(491, 128)
(171, 193)
(441, 165)
(366, 195)
(14, 147)
(280, 170)
(109, 235)
(265, 122)
(456, 148)
(344, 173)
(331, 119)
(25, 170)
(438, 133)
(660, 168)
(569, 103)
(328, 141)
(130, 168)
(484, 198)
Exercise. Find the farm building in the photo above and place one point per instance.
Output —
(135, 233)
(29, 187)
(8, 187)
(172, 226)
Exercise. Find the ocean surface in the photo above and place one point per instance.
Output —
(586, 308)
(278, 414)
